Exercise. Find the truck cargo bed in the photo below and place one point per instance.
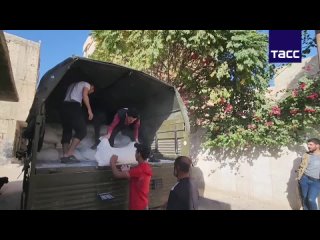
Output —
(81, 185)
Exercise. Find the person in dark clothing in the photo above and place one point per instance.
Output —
(72, 118)
(124, 119)
(100, 118)
(100, 115)
(184, 194)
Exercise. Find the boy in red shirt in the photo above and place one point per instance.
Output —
(139, 177)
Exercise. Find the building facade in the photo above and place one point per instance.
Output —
(25, 62)
(88, 47)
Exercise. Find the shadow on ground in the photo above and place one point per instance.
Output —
(209, 204)
(10, 196)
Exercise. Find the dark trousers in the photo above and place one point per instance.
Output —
(125, 130)
(99, 119)
(72, 119)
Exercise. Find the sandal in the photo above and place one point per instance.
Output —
(70, 159)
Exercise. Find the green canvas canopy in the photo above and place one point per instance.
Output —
(116, 87)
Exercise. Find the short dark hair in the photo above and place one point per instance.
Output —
(314, 140)
(132, 112)
(143, 149)
(183, 163)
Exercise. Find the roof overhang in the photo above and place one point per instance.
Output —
(8, 91)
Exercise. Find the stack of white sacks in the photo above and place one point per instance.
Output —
(51, 143)
(52, 150)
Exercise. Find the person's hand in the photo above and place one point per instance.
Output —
(113, 159)
(125, 167)
(90, 115)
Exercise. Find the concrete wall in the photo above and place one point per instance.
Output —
(255, 174)
(25, 60)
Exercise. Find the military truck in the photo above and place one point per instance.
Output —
(164, 126)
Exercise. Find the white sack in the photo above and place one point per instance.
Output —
(50, 136)
(48, 154)
(87, 154)
(121, 140)
(126, 155)
(48, 145)
(86, 143)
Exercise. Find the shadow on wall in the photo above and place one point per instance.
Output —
(293, 194)
(233, 158)
(223, 156)
(205, 203)
(197, 176)
(196, 138)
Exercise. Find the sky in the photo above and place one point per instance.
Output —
(57, 45)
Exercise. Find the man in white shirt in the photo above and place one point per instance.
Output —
(73, 119)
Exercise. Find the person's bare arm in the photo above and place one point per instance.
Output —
(115, 171)
(136, 131)
(114, 123)
(85, 95)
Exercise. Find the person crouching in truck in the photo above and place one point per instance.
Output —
(124, 119)
(73, 118)
(139, 176)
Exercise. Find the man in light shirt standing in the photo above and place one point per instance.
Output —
(73, 119)
(309, 175)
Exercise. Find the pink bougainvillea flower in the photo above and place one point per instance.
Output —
(313, 96)
(310, 110)
(269, 124)
(295, 93)
(228, 108)
(302, 85)
(276, 111)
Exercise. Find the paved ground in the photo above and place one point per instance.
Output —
(10, 195)
(223, 201)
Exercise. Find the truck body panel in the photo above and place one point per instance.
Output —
(164, 126)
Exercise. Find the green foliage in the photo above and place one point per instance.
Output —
(307, 42)
(222, 76)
